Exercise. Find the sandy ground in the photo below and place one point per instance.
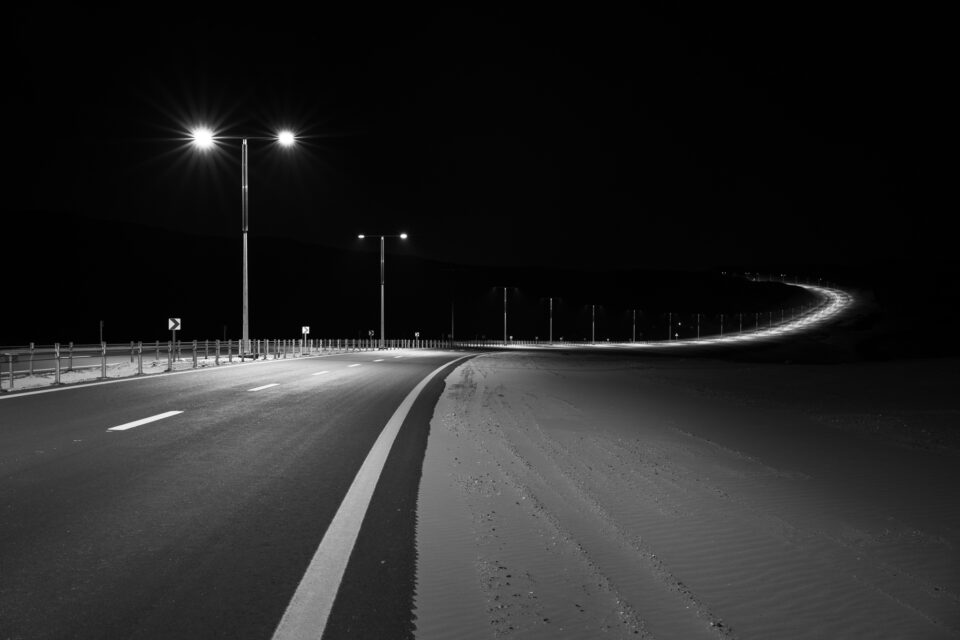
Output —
(585, 496)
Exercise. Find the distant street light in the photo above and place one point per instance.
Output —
(551, 320)
(402, 236)
(205, 139)
(504, 315)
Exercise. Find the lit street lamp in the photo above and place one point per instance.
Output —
(205, 139)
(504, 313)
(402, 236)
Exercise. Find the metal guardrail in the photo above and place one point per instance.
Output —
(34, 359)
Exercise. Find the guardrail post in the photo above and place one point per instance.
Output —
(206, 351)
(70, 361)
(10, 369)
(216, 358)
(140, 358)
(169, 355)
(157, 359)
(194, 354)
(230, 350)
(103, 359)
(31, 359)
(56, 361)
(131, 351)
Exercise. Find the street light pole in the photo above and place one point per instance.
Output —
(504, 315)
(382, 320)
(551, 320)
(593, 323)
(245, 192)
(204, 139)
(383, 325)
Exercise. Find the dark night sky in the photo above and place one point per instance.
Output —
(587, 139)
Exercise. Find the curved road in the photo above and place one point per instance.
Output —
(202, 522)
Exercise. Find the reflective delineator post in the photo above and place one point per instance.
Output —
(56, 365)
(140, 358)
(103, 359)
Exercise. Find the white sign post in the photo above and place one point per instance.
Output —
(173, 324)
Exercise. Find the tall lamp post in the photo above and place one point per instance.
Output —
(402, 236)
(504, 312)
(551, 320)
(204, 139)
(504, 315)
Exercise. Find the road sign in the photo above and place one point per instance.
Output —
(173, 324)
(370, 333)
(416, 334)
(305, 330)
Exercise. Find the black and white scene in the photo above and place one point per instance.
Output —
(341, 321)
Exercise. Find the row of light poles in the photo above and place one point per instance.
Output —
(205, 139)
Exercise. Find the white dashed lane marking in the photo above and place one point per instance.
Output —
(137, 423)
(266, 386)
(379, 360)
(357, 364)
(319, 373)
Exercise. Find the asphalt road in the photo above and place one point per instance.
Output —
(201, 524)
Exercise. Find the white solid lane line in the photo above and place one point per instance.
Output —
(266, 386)
(319, 373)
(354, 365)
(137, 423)
(306, 615)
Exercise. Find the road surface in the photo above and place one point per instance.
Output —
(190, 505)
